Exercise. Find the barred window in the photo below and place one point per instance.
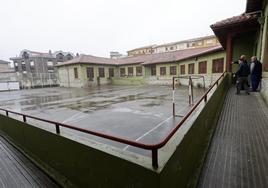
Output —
(173, 70)
(202, 67)
(75, 72)
(130, 71)
(162, 71)
(191, 68)
(217, 65)
(182, 69)
(122, 72)
(138, 71)
(101, 72)
(111, 72)
(90, 72)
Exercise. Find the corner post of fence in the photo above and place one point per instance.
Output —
(189, 90)
(24, 118)
(6, 113)
(206, 98)
(217, 82)
(57, 128)
(173, 96)
(155, 158)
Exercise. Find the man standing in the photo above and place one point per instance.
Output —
(242, 74)
(256, 73)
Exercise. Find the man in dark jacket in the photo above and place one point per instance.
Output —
(256, 73)
(242, 75)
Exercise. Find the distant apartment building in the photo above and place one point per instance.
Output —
(37, 69)
(200, 42)
(141, 51)
(8, 77)
(115, 55)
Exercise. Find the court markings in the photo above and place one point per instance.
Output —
(148, 132)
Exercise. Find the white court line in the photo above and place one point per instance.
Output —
(72, 117)
(148, 132)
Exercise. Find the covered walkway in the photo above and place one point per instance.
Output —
(238, 154)
(18, 171)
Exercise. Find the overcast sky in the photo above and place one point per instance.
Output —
(97, 27)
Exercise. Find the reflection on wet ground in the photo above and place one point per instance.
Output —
(125, 111)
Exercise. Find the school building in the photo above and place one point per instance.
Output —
(87, 70)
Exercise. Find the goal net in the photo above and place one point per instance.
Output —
(190, 82)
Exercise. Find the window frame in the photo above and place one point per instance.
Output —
(191, 68)
(163, 71)
(202, 67)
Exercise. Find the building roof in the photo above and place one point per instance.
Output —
(243, 22)
(89, 59)
(180, 55)
(144, 59)
(253, 5)
(235, 20)
(4, 62)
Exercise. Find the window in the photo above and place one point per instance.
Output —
(75, 72)
(59, 57)
(23, 66)
(32, 65)
(153, 70)
(101, 72)
(50, 66)
(111, 72)
(191, 68)
(138, 71)
(122, 72)
(173, 70)
(182, 69)
(16, 66)
(202, 67)
(217, 65)
(49, 63)
(162, 71)
(210, 41)
(90, 72)
(171, 48)
(69, 56)
(25, 55)
(130, 71)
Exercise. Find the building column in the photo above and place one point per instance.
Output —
(229, 52)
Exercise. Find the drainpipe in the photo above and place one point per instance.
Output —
(229, 51)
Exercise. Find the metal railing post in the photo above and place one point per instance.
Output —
(155, 158)
(24, 118)
(173, 96)
(205, 98)
(6, 113)
(57, 128)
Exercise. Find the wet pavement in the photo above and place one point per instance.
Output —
(141, 113)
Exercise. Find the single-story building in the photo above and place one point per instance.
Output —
(87, 70)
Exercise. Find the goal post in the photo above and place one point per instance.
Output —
(190, 88)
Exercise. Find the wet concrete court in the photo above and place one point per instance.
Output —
(141, 113)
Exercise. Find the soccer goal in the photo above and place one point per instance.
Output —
(189, 81)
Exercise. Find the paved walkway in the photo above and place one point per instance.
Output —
(238, 155)
(18, 171)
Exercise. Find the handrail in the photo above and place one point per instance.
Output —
(153, 147)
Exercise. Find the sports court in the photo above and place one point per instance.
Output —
(140, 113)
